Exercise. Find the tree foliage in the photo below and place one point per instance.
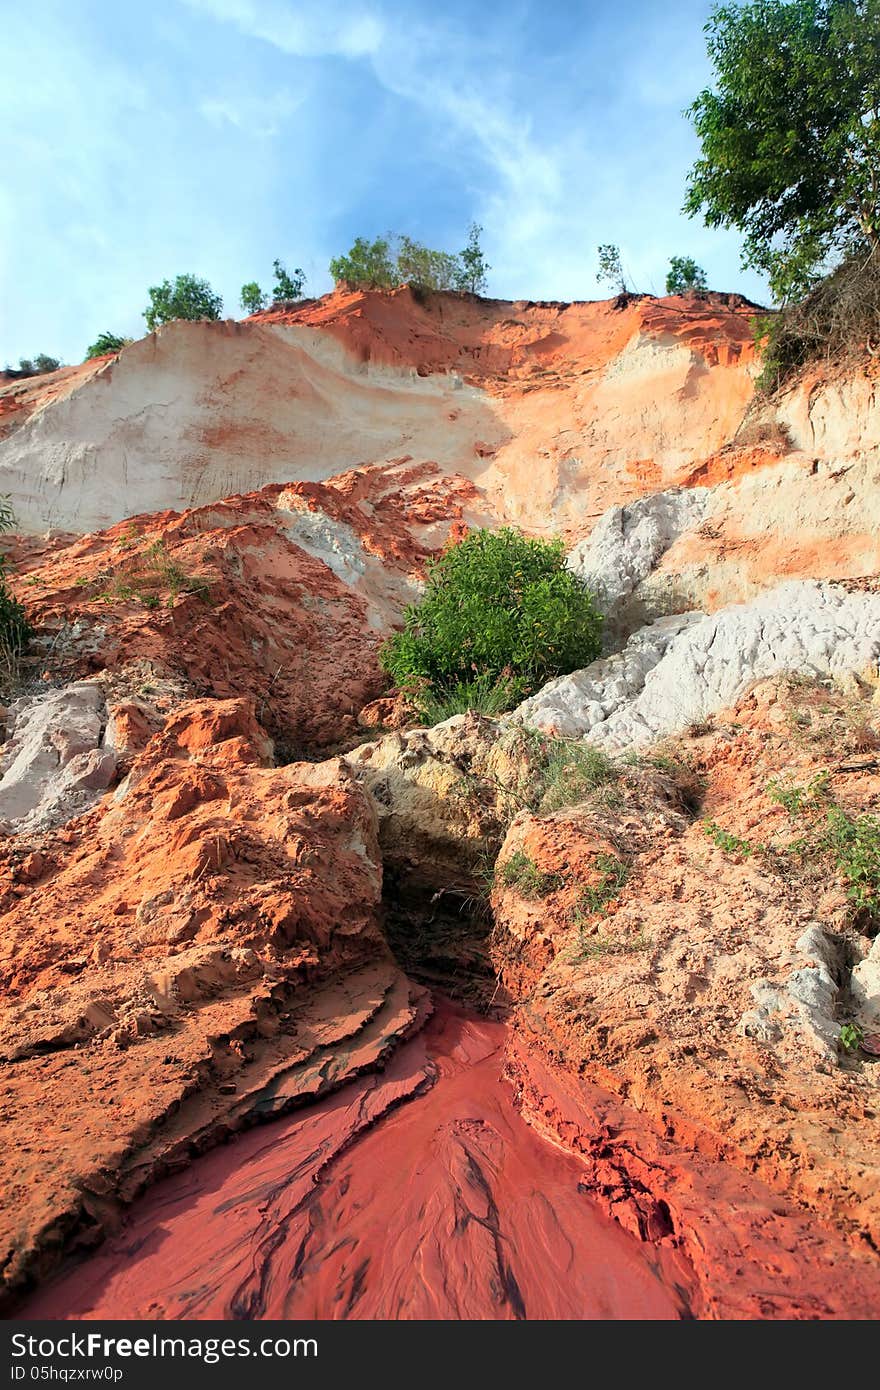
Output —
(187, 297)
(367, 266)
(104, 343)
(425, 269)
(790, 134)
(473, 268)
(685, 275)
(498, 608)
(35, 366)
(287, 285)
(391, 261)
(252, 298)
(611, 266)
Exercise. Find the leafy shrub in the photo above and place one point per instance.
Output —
(497, 606)
(473, 267)
(106, 342)
(35, 366)
(252, 298)
(425, 269)
(187, 297)
(850, 1037)
(854, 845)
(685, 275)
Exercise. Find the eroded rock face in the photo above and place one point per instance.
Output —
(286, 594)
(681, 670)
(55, 763)
(443, 797)
(200, 951)
(612, 398)
(627, 543)
(707, 984)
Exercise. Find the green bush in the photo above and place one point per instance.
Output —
(611, 267)
(789, 135)
(187, 297)
(36, 366)
(497, 607)
(393, 260)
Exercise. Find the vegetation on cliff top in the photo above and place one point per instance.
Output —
(390, 261)
(790, 155)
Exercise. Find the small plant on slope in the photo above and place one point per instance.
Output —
(850, 1037)
(15, 630)
(595, 897)
(611, 267)
(287, 286)
(104, 343)
(521, 873)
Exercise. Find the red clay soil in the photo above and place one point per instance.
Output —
(222, 596)
(199, 952)
(494, 343)
(446, 1207)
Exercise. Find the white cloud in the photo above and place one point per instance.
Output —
(260, 116)
(303, 30)
(546, 196)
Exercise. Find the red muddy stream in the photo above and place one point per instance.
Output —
(362, 1206)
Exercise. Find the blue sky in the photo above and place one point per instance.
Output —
(143, 140)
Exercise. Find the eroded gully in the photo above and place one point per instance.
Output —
(415, 1192)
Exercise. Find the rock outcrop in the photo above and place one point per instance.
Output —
(699, 967)
(202, 863)
(681, 670)
(199, 952)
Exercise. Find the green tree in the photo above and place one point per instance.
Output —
(287, 286)
(106, 342)
(611, 267)
(187, 297)
(473, 267)
(790, 134)
(499, 608)
(367, 266)
(252, 298)
(424, 269)
(36, 366)
(684, 275)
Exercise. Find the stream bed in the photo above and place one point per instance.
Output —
(414, 1192)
